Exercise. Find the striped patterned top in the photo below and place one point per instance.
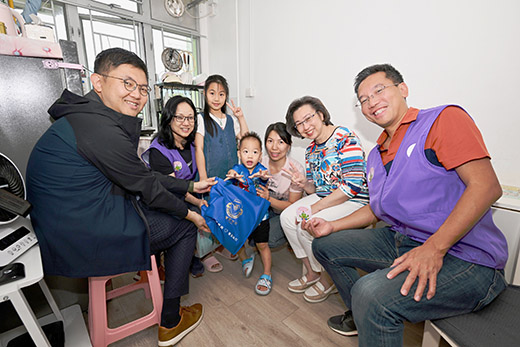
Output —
(340, 163)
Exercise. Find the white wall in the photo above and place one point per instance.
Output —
(464, 52)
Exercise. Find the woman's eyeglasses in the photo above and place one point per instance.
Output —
(300, 125)
(181, 119)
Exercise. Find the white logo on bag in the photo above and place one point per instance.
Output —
(226, 231)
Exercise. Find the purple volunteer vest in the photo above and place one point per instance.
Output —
(180, 167)
(416, 197)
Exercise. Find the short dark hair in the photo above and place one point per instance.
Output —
(209, 125)
(312, 101)
(111, 58)
(390, 72)
(281, 130)
(250, 135)
(164, 135)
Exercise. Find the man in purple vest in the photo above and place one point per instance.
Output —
(431, 181)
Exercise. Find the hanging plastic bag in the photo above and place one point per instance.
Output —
(206, 243)
(233, 214)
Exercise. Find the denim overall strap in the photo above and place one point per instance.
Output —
(220, 150)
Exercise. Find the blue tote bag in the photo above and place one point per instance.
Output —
(233, 214)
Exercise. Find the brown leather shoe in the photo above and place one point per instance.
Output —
(190, 317)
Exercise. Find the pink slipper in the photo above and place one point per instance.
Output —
(225, 253)
(212, 264)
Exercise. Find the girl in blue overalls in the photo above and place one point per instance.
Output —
(217, 131)
(217, 134)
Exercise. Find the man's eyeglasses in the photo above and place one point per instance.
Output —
(364, 101)
(300, 125)
(131, 85)
(181, 119)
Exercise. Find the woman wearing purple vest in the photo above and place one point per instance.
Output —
(172, 152)
(431, 181)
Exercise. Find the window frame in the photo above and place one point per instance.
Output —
(144, 25)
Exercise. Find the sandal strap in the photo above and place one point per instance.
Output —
(245, 261)
(267, 277)
(318, 289)
(265, 281)
(303, 280)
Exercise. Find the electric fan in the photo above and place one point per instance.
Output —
(171, 59)
(175, 8)
(16, 235)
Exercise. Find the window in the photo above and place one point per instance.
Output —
(102, 31)
(185, 44)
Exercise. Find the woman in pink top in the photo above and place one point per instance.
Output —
(280, 191)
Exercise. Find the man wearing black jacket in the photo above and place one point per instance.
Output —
(97, 209)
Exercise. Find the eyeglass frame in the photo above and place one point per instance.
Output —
(378, 92)
(305, 121)
(191, 120)
(125, 81)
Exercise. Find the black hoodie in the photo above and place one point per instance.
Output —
(83, 179)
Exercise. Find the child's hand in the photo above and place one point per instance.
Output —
(237, 111)
(296, 176)
(263, 174)
(232, 174)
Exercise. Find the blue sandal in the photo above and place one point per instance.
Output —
(264, 281)
(247, 266)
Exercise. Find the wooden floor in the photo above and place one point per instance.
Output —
(234, 315)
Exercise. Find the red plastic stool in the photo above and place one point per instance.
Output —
(100, 334)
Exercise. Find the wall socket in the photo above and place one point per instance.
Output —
(250, 92)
